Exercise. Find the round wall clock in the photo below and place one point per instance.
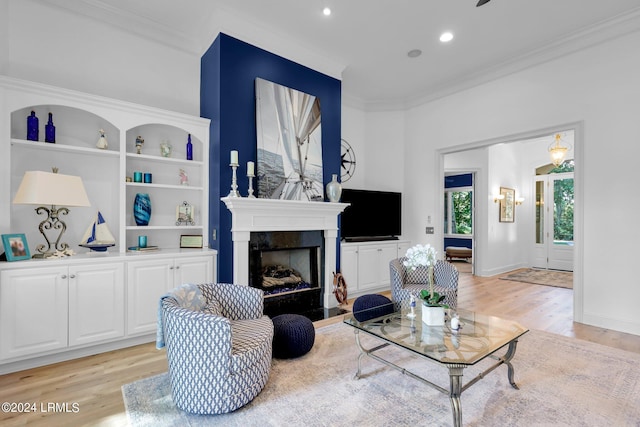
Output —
(348, 161)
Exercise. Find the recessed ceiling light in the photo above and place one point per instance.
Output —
(326, 11)
(446, 37)
(414, 53)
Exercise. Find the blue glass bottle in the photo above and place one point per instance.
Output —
(32, 127)
(189, 148)
(50, 130)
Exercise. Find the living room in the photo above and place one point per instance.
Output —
(589, 82)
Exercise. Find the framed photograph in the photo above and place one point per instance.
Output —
(191, 241)
(184, 214)
(507, 204)
(15, 247)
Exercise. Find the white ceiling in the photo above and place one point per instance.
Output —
(365, 42)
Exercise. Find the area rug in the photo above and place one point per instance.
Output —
(560, 279)
(563, 382)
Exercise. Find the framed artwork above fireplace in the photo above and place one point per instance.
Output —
(289, 138)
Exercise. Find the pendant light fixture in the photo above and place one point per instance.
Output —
(557, 151)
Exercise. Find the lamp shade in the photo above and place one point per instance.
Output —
(46, 188)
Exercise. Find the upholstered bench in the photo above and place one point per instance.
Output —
(458, 252)
(293, 336)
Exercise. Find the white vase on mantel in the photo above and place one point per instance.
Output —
(334, 189)
(433, 316)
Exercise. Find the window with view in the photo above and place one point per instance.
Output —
(458, 211)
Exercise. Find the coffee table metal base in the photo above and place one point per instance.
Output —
(455, 372)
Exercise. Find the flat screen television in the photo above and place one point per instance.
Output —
(373, 215)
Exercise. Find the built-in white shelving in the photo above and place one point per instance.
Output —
(57, 309)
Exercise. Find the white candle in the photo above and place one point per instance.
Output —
(455, 323)
(251, 168)
(234, 157)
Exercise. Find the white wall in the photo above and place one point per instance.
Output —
(505, 243)
(597, 86)
(378, 141)
(50, 45)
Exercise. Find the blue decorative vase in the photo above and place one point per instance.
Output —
(32, 127)
(142, 209)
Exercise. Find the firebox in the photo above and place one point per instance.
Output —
(287, 266)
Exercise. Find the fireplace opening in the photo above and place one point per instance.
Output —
(287, 266)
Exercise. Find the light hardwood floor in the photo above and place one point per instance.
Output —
(94, 383)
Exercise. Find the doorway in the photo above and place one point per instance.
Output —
(554, 209)
(470, 156)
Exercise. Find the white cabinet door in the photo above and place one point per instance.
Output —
(349, 266)
(402, 248)
(96, 302)
(33, 311)
(386, 254)
(147, 281)
(368, 267)
(197, 269)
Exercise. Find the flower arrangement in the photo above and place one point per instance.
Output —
(425, 256)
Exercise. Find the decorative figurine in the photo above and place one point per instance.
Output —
(139, 144)
(102, 141)
(184, 179)
(165, 148)
(32, 127)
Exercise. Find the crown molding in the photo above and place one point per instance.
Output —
(256, 33)
(601, 32)
(129, 21)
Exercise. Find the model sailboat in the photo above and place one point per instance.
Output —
(98, 237)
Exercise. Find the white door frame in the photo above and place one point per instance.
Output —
(480, 231)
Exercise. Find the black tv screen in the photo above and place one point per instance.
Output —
(373, 215)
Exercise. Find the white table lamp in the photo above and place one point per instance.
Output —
(53, 189)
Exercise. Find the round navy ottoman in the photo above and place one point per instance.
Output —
(293, 335)
(367, 307)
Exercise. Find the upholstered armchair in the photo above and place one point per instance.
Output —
(219, 352)
(405, 282)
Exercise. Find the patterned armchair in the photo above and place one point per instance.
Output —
(405, 282)
(220, 355)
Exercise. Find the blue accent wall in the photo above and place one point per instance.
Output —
(456, 241)
(227, 97)
(464, 180)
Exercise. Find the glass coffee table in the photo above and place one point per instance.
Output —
(479, 337)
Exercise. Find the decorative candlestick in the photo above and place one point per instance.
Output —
(234, 179)
(251, 174)
(412, 304)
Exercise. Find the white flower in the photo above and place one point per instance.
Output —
(420, 256)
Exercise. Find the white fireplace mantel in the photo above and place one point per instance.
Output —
(254, 215)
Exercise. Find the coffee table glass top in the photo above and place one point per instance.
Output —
(479, 335)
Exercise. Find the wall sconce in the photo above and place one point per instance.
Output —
(519, 200)
(497, 198)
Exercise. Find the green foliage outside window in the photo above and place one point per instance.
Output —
(460, 205)
(563, 204)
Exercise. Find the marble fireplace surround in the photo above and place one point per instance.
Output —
(253, 215)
